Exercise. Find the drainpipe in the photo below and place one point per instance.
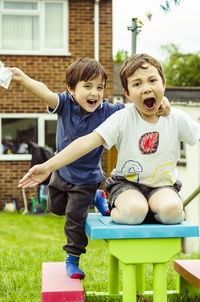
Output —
(96, 30)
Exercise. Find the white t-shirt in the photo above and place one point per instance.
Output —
(148, 153)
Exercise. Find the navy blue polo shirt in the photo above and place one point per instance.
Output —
(71, 125)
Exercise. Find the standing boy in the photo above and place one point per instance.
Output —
(80, 110)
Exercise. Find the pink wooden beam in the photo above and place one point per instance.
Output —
(57, 286)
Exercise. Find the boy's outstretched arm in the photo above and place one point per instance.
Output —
(81, 146)
(38, 89)
(164, 109)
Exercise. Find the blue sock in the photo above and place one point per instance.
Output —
(100, 203)
(72, 267)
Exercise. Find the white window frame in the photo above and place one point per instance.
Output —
(39, 12)
(41, 132)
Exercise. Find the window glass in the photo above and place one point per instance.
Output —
(54, 25)
(20, 32)
(20, 5)
(50, 134)
(16, 133)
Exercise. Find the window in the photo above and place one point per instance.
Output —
(17, 130)
(33, 27)
(182, 150)
(50, 134)
(182, 155)
(118, 100)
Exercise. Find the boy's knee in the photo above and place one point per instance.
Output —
(137, 209)
(171, 213)
(136, 219)
(55, 210)
(135, 213)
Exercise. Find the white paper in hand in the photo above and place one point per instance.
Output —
(5, 76)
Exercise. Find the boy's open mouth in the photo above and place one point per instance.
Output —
(92, 102)
(149, 103)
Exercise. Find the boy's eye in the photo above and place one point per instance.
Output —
(87, 86)
(153, 80)
(100, 87)
(136, 84)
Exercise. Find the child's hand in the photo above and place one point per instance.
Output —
(164, 109)
(18, 75)
(36, 175)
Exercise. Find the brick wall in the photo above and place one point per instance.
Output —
(51, 71)
(11, 172)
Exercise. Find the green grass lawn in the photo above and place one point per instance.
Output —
(27, 241)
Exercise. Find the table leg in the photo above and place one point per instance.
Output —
(113, 275)
(129, 283)
(159, 282)
(140, 280)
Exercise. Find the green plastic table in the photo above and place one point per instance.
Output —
(134, 246)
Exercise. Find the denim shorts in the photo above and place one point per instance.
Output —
(115, 185)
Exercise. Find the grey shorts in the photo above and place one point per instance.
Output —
(115, 185)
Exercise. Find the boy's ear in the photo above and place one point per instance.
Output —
(164, 85)
(125, 93)
(70, 90)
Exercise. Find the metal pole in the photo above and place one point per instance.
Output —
(134, 36)
(192, 196)
(135, 31)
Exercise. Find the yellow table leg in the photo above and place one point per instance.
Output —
(140, 279)
(159, 282)
(113, 275)
(129, 283)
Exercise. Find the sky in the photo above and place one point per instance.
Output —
(181, 26)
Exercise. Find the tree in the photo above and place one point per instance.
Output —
(121, 56)
(181, 69)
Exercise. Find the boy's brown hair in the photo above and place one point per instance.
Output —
(133, 63)
(84, 69)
